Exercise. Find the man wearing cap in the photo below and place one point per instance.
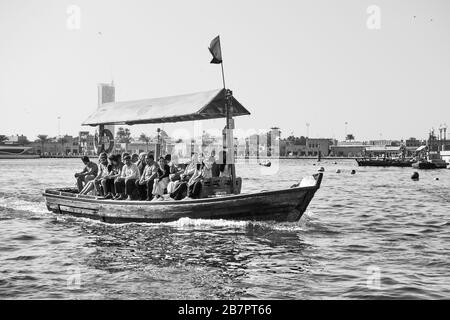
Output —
(126, 183)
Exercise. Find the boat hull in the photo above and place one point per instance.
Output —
(383, 163)
(19, 156)
(429, 165)
(281, 205)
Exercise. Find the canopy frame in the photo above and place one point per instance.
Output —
(190, 107)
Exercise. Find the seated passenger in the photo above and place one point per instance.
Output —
(141, 162)
(114, 171)
(175, 173)
(95, 185)
(145, 183)
(190, 168)
(126, 182)
(207, 165)
(135, 158)
(162, 180)
(193, 188)
(215, 172)
(89, 173)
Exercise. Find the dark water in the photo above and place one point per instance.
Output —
(376, 234)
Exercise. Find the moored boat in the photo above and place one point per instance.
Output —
(16, 152)
(430, 164)
(384, 162)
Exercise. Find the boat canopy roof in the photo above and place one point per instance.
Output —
(187, 107)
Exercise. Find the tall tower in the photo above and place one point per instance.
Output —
(106, 93)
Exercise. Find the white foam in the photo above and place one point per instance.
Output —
(23, 205)
(188, 222)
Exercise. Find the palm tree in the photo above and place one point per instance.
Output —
(350, 137)
(43, 138)
(123, 135)
(144, 138)
(62, 140)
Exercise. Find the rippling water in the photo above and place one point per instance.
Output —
(376, 234)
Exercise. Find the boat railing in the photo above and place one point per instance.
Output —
(220, 186)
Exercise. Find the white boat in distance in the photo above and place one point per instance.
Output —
(16, 152)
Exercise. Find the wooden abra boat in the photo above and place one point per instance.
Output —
(221, 197)
(280, 205)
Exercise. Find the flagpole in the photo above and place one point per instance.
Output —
(229, 130)
(223, 76)
(228, 140)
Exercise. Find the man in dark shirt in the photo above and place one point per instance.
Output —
(89, 173)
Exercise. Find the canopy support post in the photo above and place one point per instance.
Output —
(158, 145)
(229, 136)
(101, 142)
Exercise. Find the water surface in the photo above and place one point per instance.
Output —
(376, 234)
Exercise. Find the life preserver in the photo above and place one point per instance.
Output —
(108, 139)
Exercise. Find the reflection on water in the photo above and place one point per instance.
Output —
(373, 234)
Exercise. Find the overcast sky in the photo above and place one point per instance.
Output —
(289, 62)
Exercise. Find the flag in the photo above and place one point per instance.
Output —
(215, 50)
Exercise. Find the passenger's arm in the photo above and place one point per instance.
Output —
(153, 175)
(83, 173)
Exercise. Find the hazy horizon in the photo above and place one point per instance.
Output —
(288, 62)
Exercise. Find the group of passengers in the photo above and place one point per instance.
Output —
(140, 177)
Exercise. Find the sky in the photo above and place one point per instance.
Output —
(289, 62)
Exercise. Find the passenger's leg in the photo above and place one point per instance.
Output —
(149, 190)
(98, 188)
(89, 186)
(119, 187)
(110, 186)
(155, 189)
(190, 190)
(141, 190)
(104, 183)
(80, 181)
(179, 192)
(89, 177)
(130, 185)
(196, 190)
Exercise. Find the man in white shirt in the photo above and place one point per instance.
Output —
(126, 183)
(145, 183)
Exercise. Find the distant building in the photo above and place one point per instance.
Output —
(383, 151)
(16, 139)
(314, 146)
(347, 150)
(64, 145)
(384, 143)
(414, 143)
(311, 147)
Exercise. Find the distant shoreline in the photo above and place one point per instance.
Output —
(237, 158)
